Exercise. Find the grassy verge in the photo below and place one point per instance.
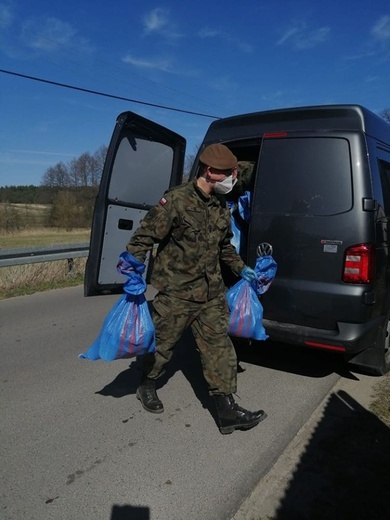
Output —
(20, 280)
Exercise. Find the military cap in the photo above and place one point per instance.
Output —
(218, 156)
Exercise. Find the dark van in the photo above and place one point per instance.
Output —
(319, 181)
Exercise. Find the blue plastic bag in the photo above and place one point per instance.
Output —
(244, 206)
(128, 329)
(246, 312)
(265, 269)
(235, 226)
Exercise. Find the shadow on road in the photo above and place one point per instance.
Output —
(185, 358)
(277, 356)
(291, 358)
(129, 513)
(343, 474)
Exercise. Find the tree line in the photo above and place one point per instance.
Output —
(68, 189)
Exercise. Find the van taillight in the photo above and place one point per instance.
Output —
(359, 264)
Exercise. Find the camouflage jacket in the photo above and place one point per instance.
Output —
(193, 234)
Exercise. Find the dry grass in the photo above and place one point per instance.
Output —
(380, 405)
(20, 280)
(42, 237)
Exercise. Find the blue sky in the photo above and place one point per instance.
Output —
(219, 58)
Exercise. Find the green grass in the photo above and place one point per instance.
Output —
(43, 237)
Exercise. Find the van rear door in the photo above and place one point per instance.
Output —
(143, 160)
(307, 203)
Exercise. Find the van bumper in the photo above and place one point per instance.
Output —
(350, 338)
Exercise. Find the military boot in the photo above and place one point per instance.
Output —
(232, 417)
(147, 394)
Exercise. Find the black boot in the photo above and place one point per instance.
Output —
(146, 393)
(232, 417)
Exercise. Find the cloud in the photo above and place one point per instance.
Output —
(301, 38)
(162, 64)
(6, 16)
(372, 79)
(47, 34)
(381, 29)
(273, 96)
(158, 22)
(361, 55)
(206, 32)
(39, 152)
(41, 158)
(51, 34)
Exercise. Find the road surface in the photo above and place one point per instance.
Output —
(76, 443)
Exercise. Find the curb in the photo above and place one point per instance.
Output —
(267, 497)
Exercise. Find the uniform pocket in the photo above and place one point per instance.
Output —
(161, 305)
(190, 227)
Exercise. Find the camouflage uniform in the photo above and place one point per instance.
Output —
(193, 234)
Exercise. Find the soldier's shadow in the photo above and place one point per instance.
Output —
(185, 358)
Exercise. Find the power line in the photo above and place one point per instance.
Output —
(112, 96)
(108, 65)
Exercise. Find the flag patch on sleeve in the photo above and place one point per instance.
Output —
(163, 201)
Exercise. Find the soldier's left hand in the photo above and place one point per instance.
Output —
(248, 274)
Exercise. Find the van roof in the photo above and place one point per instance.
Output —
(322, 117)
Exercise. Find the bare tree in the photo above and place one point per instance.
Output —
(65, 213)
(188, 163)
(386, 114)
(56, 176)
(82, 170)
(99, 157)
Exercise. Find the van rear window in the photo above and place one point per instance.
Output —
(136, 157)
(310, 176)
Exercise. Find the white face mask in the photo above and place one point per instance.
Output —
(225, 186)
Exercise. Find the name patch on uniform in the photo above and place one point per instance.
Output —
(163, 201)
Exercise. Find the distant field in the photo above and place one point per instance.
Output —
(42, 237)
(26, 215)
(26, 225)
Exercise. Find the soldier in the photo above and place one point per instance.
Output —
(191, 225)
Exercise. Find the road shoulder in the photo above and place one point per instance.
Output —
(325, 459)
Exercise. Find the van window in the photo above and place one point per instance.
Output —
(136, 155)
(305, 176)
(384, 168)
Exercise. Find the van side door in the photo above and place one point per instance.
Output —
(143, 160)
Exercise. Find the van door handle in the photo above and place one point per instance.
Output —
(125, 224)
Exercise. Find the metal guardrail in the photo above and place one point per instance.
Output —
(32, 255)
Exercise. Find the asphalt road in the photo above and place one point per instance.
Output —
(76, 443)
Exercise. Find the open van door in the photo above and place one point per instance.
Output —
(143, 160)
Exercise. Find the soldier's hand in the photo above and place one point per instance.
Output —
(248, 274)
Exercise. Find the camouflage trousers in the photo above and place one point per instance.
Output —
(209, 325)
